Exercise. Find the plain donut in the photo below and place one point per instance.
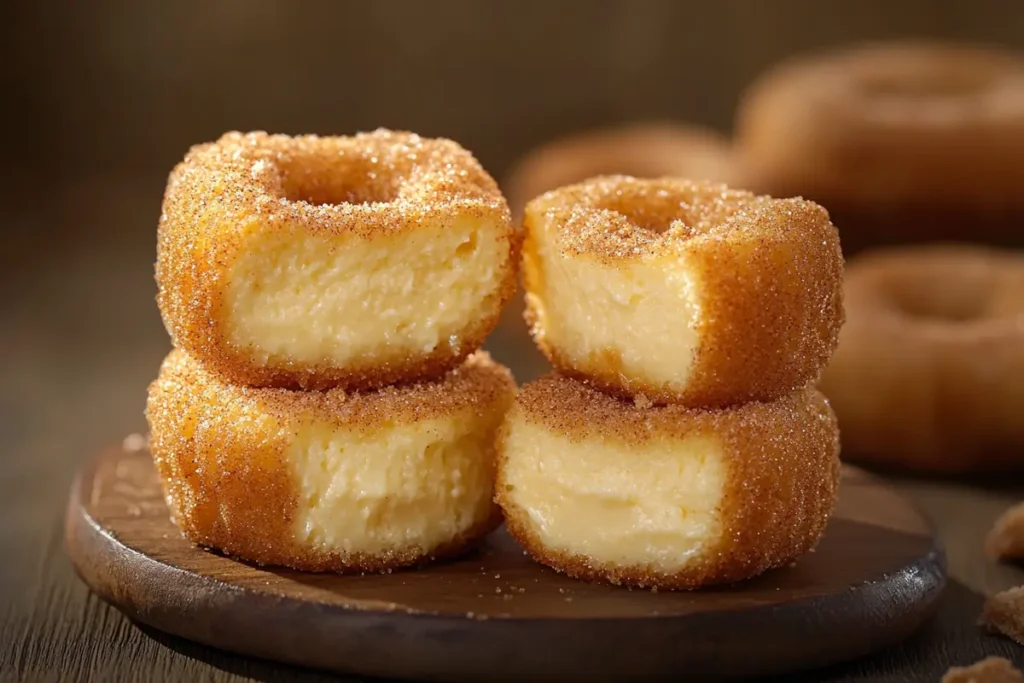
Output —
(901, 141)
(929, 371)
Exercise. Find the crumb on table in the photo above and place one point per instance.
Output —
(1006, 539)
(1004, 613)
(988, 670)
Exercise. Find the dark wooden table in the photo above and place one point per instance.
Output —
(80, 339)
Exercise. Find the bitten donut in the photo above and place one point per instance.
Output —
(644, 150)
(666, 497)
(685, 292)
(900, 141)
(929, 372)
(332, 261)
(329, 481)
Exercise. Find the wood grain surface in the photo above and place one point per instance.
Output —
(489, 615)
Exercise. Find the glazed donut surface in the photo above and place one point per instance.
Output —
(668, 497)
(329, 481)
(887, 124)
(929, 371)
(685, 292)
(332, 261)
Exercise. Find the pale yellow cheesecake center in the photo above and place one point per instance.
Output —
(653, 504)
(403, 486)
(341, 300)
(638, 318)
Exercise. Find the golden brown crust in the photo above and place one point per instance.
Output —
(781, 486)
(929, 367)
(1005, 541)
(645, 150)
(770, 274)
(988, 670)
(1004, 613)
(220, 451)
(888, 123)
(389, 183)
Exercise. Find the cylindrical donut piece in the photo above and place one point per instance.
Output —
(329, 481)
(667, 497)
(643, 150)
(929, 371)
(332, 261)
(901, 141)
(684, 292)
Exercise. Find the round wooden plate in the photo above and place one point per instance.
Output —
(496, 615)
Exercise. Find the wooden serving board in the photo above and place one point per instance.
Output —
(496, 615)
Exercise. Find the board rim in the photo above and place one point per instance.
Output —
(102, 561)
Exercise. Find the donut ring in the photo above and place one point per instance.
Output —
(891, 122)
(929, 371)
(685, 292)
(900, 141)
(644, 150)
(329, 481)
(666, 497)
(332, 261)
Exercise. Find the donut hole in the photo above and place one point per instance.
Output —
(658, 205)
(940, 304)
(324, 179)
(655, 215)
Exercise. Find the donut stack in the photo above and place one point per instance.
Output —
(680, 442)
(325, 406)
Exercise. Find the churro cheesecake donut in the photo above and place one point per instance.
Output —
(644, 150)
(683, 291)
(901, 141)
(605, 489)
(332, 261)
(329, 481)
(929, 372)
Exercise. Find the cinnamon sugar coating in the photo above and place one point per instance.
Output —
(1005, 541)
(887, 124)
(245, 190)
(929, 368)
(1004, 613)
(645, 150)
(988, 670)
(779, 485)
(237, 464)
(747, 288)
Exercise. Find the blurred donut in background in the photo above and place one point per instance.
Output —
(644, 150)
(901, 142)
(929, 372)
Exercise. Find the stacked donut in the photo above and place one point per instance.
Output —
(680, 442)
(325, 406)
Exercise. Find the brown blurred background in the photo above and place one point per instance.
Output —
(101, 98)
